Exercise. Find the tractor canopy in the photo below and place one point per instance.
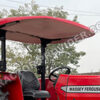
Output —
(30, 29)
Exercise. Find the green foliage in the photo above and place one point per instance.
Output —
(75, 18)
(20, 59)
(62, 55)
(29, 55)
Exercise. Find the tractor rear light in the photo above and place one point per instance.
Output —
(1, 76)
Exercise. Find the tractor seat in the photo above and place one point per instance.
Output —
(31, 86)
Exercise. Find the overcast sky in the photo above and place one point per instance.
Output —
(88, 12)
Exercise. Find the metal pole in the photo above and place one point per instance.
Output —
(43, 46)
(44, 43)
(3, 50)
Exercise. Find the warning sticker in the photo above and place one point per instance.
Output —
(81, 89)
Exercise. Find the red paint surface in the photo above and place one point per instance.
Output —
(62, 81)
(81, 80)
(13, 87)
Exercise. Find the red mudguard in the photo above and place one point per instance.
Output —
(10, 84)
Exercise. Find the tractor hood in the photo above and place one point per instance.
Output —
(30, 29)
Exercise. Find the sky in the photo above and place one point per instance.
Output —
(88, 12)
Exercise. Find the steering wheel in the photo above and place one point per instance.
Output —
(56, 76)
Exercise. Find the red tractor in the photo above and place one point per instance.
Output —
(44, 30)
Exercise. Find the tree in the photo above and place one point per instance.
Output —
(56, 55)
